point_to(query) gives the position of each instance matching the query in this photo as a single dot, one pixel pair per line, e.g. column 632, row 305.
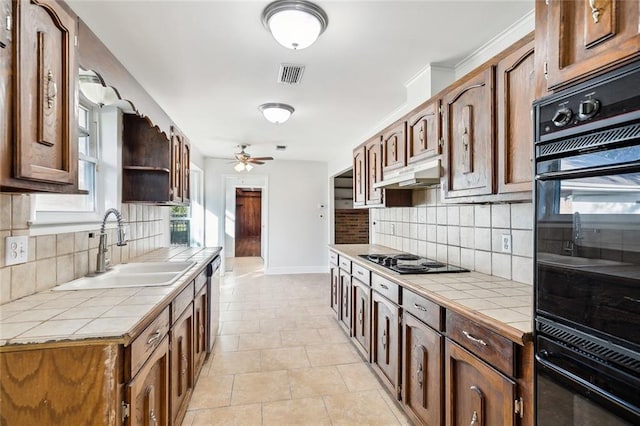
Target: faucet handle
column 122, row 237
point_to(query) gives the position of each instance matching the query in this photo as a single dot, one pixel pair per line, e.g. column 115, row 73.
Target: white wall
column 297, row 236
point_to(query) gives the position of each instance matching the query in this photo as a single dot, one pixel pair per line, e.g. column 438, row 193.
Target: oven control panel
column 586, row 106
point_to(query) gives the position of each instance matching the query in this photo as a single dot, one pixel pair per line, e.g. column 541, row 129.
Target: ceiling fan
column 245, row 160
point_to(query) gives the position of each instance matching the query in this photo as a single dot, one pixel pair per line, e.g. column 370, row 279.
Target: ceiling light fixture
column 295, row 24
column 93, row 89
column 243, row 167
column 275, row 112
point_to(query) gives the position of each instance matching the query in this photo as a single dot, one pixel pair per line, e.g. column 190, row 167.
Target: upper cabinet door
column 359, row 176
column 45, row 71
column 515, row 94
column 424, row 132
column 468, row 137
column 176, row 166
column 587, row 36
column 186, row 170
column 373, row 158
column 394, row 147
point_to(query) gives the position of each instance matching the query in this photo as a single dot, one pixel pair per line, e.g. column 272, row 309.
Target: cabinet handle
column 384, row 286
column 384, row 339
column 420, row 307
column 474, row 419
column 419, row 375
column 595, row 11
column 52, row 90
column 474, row 339
column 154, row 337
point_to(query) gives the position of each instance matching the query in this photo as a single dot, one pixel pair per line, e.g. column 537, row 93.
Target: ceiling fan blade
column 252, row 161
column 262, row 158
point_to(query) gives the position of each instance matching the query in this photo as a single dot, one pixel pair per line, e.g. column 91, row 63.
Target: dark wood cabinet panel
column 586, row 37
column 385, row 340
column 345, row 302
column 186, row 171
column 476, row 393
column 359, row 176
column 41, row 153
column 148, row 392
column 181, row 357
column 361, row 316
column 335, row 289
column 373, row 162
column 180, row 158
column 422, row 381
column 515, row 75
column 200, row 331
column 468, row 136
column 394, row 147
column 424, row 129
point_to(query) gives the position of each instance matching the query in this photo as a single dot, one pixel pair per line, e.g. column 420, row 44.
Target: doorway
column 248, row 227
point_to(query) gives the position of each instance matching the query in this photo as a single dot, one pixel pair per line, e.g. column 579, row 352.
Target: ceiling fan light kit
column 246, row 162
column 275, row 112
column 295, row 24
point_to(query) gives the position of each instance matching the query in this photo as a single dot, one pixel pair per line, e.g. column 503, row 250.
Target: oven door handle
column 592, row 171
column 543, row 357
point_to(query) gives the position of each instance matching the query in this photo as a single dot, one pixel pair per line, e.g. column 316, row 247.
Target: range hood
column 425, row 173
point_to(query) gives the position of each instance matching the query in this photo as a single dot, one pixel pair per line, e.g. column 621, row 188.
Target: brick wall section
column 352, row 226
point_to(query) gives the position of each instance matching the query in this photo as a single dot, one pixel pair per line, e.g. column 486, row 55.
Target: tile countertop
column 502, row 305
column 80, row 315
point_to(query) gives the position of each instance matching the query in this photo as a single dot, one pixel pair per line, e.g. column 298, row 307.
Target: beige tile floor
column 281, row 359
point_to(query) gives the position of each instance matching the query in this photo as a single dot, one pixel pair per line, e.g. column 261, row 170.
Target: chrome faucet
column 102, row 263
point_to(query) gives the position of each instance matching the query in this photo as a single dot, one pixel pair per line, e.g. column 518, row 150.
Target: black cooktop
column 406, row 263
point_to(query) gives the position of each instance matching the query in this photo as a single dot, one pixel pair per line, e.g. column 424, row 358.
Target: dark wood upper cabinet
column 515, row 93
column 186, row 171
column 373, row 161
column 359, row 176
column 468, row 136
column 585, row 37
column 41, row 154
column 424, row 129
column 394, row 147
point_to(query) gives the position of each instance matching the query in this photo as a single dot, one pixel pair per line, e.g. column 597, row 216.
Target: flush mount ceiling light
column 276, row 113
column 295, row 24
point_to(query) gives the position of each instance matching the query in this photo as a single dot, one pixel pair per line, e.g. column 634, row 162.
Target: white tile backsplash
column 482, row 215
column 501, row 216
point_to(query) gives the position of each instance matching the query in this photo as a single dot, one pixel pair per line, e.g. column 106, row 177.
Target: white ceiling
column 210, row 64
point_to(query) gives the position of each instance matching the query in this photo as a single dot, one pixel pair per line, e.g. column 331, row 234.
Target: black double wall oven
column 587, row 254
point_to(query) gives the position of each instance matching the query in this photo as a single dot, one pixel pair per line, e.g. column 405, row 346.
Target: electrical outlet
column 506, row 243
column 16, row 250
column 393, row 229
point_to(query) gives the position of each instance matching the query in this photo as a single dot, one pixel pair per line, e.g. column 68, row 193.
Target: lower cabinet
column 385, row 341
column 477, row 394
column 361, row 294
column 200, row 304
column 335, row 289
column 148, row 391
column 345, row 302
column 422, row 385
column 181, row 364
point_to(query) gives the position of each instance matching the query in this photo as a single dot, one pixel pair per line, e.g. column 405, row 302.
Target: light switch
column 16, row 250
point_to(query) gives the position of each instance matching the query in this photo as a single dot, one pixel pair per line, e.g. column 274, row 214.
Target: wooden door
column 185, row 172
column 424, row 128
column 335, row 289
column 476, row 393
column 359, row 176
column 373, row 162
column 385, row 340
column 181, row 364
column 585, row 37
column 345, row 302
column 176, row 166
column 200, row 331
column 148, row 392
column 394, row 147
column 361, row 316
column 515, row 94
column 248, row 222
column 45, row 108
column 468, row 137
column 422, row 381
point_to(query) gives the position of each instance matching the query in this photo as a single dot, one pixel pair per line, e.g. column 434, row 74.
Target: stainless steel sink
column 146, row 274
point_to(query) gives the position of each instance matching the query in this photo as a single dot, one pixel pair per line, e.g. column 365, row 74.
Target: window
column 186, row 223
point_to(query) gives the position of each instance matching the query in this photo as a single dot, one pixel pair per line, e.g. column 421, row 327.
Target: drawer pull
column 420, row 307
column 384, row 286
column 359, row 273
column 474, row 339
column 154, row 337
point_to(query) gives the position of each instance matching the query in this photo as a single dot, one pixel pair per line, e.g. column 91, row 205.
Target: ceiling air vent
column 281, row 147
column 290, row 73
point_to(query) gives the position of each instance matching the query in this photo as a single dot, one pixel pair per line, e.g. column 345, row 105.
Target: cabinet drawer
column 143, row 345
column 333, row 257
column 428, row 312
column 200, row 281
column 491, row 347
column 345, row 264
column 181, row 301
column 386, row 288
column 362, row 274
